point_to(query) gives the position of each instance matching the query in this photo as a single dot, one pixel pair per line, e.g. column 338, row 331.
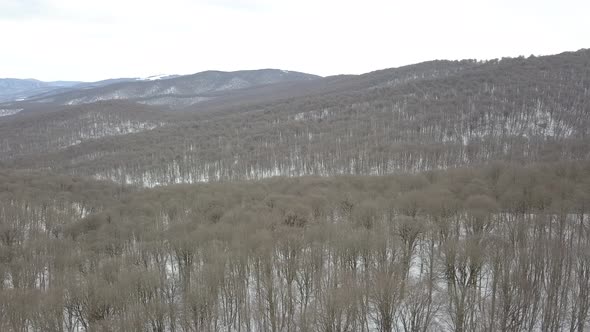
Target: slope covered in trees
column 442, row 196
column 428, row 116
column 498, row 248
column 33, row 133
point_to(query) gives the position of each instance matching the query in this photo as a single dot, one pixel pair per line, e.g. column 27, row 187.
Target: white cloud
column 91, row 40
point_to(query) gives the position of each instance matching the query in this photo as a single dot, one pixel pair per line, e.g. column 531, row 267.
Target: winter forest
column 441, row 196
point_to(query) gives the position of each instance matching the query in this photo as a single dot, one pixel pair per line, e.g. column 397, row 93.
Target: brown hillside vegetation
column 442, row 196
column 446, row 114
column 498, row 248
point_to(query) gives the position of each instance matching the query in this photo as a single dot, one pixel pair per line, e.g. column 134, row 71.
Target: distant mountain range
column 15, row 89
column 12, row 89
column 171, row 90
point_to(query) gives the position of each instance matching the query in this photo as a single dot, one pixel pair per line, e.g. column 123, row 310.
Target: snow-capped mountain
column 157, row 77
column 174, row 91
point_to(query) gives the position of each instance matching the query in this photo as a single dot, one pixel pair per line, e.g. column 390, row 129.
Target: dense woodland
column 451, row 114
column 443, row 196
column 498, row 248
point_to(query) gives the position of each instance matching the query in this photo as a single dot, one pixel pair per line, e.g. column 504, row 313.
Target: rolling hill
column 176, row 91
column 12, row 89
column 433, row 115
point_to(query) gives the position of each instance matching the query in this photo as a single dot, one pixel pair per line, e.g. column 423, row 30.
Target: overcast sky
column 98, row 39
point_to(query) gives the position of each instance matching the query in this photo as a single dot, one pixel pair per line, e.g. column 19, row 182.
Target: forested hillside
column 441, row 196
column 427, row 116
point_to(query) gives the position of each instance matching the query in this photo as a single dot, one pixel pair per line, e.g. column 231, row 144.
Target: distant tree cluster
column 497, row 248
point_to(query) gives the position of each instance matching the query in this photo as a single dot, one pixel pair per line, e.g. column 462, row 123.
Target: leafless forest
column 443, row 196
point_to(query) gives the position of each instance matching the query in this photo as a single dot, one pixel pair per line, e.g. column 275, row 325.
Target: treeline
column 498, row 248
column 446, row 115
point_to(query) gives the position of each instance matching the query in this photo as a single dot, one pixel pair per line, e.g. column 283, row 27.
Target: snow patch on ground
column 156, row 77
column 170, row 90
column 98, row 130
column 322, row 114
column 173, row 101
column 87, row 100
column 7, row 111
